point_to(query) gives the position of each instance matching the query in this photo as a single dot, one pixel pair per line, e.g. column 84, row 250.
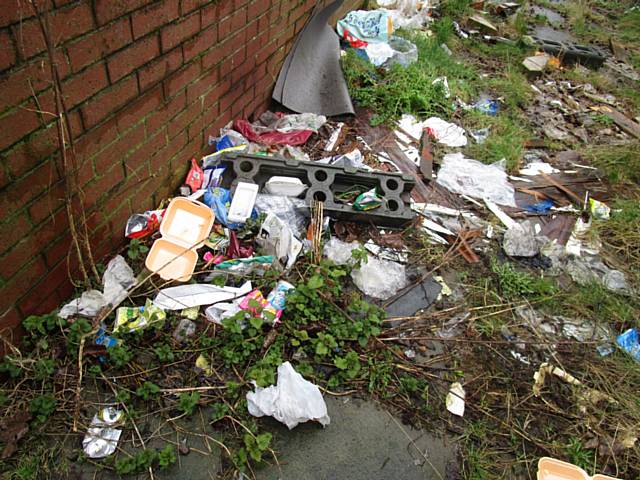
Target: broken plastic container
column 552, row 469
column 185, row 227
column 242, row 203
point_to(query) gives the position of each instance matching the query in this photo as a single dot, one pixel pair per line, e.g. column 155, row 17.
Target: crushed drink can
column 102, row 438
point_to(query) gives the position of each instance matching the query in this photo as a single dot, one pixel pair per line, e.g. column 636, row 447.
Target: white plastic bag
column 116, row 281
column 446, row 133
column 292, row 400
column 379, row 278
column 278, row 240
column 339, row 252
column 470, row 177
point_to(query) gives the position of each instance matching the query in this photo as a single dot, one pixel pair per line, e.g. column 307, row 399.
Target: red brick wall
column 145, row 83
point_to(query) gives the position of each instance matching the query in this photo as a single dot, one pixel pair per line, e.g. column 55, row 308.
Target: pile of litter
column 286, row 198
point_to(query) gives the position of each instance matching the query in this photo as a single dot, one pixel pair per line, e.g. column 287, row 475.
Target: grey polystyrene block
column 324, row 181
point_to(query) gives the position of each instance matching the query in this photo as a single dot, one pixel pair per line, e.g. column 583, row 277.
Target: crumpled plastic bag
column 339, row 252
column 379, row 278
column 366, row 26
column 290, row 122
column 292, row 400
column 292, row 211
column 445, row 132
column 520, row 240
column 471, row 177
column 116, row 281
column 277, row 239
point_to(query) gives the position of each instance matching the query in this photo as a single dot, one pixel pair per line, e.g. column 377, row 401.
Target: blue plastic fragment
column 628, row 341
column 224, row 142
column 488, row 106
column 541, row 207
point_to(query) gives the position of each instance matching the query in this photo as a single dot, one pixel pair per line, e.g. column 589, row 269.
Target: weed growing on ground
column 136, row 249
column 513, row 283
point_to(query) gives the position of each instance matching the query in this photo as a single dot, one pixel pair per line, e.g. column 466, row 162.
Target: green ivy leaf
column 315, row 282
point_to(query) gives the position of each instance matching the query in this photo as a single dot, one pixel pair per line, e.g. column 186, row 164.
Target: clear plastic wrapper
column 379, row 278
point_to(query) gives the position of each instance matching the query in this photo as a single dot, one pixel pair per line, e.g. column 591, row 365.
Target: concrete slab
column 363, row 442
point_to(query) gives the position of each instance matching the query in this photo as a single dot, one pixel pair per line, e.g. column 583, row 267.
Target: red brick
column 64, row 24
column 118, row 150
column 99, row 43
column 109, row 101
column 183, row 119
column 58, row 250
column 257, row 8
column 205, row 40
column 178, row 32
column 13, row 231
column 152, row 17
column 164, row 115
column 140, row 108
column 16, row 86
column 27, row 154
column 21, row 254
column 26, row 278
column 48, row 204
column 43, row 297
column 107, row 10
column 238, row 19
column 217, row 54
column 188, row 6
column 251, row 29
column 19, row 11
column 181, row 78
column 10, row 321
column 127, row 60
column 7, row 50
column 224, row 27
column 243, row 70
column 92, row 142
column 213, row 96
column 84, row 85
column 17, row 123
column 202, row 85
column 210, row 14
column 160, row 68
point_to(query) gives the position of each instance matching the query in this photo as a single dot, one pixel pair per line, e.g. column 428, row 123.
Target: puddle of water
column 549, row 33
column 554, row 18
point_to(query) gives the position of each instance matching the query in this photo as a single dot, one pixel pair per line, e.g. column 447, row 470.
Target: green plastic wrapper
column 368, row 201
column 135, row 318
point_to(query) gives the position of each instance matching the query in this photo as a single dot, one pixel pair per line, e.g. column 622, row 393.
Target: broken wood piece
column 426, row 156
column 564, row 189
column 463, row 247
column 624, row 122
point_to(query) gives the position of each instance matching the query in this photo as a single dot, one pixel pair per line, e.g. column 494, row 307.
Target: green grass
column 409, row 89
column 620, row 163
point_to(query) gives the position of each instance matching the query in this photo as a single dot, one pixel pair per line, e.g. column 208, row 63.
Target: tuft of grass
column 620, row 163
column 515, row 283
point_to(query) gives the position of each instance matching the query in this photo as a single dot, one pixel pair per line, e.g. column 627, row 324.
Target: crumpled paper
column 292, row 400
column 116, row 281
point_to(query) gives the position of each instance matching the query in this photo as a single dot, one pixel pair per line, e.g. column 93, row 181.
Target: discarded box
column 185, row 227
column 552, row 469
